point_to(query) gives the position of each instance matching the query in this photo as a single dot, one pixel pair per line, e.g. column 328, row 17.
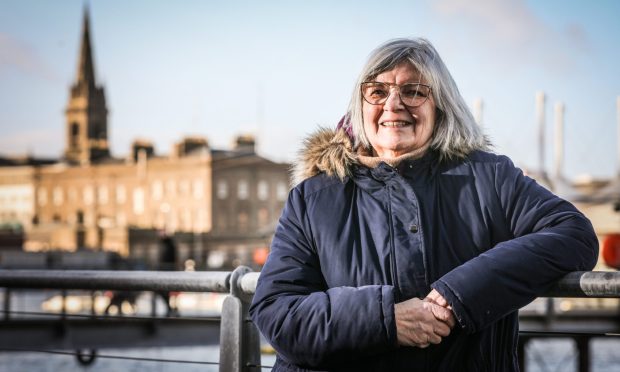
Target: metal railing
column 239, row 338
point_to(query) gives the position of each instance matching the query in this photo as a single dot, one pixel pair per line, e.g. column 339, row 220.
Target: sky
column 281, row 69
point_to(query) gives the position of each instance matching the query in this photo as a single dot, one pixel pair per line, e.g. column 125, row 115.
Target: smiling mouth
column 395, row 124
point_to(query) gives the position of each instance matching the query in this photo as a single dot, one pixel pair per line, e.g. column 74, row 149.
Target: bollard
column 239, row 338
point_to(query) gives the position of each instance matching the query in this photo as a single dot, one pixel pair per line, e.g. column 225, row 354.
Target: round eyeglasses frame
column 398, row 87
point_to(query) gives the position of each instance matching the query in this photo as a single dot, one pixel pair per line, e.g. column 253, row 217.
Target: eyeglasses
column 412, row 95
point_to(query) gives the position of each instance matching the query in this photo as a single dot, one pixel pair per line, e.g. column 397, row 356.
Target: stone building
column 219, row 204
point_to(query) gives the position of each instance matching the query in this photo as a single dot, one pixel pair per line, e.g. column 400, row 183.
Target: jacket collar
column 332, row 152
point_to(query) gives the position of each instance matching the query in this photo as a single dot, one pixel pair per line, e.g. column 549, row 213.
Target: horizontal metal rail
column 600, row 284
column 206, row 281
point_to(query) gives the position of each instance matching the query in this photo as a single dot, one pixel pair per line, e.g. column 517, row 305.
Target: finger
column 442, row 329
column 437, row 298
column 441, row 313
column 434, row 339
column 451, row 321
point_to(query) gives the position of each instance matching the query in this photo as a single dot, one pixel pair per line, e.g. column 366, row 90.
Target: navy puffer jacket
column 485, row 236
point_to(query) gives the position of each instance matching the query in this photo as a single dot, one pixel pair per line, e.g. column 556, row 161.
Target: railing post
column 583, row 348
column 522, row 343
column 63, row 309
column 239, row 338
column 7, row 303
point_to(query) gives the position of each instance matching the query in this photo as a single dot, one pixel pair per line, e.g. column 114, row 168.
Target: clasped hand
column 423, row 322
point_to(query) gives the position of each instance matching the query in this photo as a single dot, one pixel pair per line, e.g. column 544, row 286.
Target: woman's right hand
column 421, row 323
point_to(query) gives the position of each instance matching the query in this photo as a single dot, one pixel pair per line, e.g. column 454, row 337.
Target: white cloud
column 511, row 32
column 17, row 55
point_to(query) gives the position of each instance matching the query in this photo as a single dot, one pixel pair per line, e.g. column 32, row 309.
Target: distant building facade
column 219, row 204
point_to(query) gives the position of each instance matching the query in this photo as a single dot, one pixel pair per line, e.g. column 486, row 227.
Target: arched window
column 75, row 134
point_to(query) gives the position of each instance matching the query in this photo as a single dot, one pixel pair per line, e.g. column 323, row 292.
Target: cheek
column 429, row 121
column 370, row 115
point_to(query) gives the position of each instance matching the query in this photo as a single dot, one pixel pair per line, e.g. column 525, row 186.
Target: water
column 541, row 355
column 39, row 362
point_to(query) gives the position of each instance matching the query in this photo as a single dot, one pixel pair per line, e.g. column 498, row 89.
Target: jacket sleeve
column 550, row 239
column 306, row 322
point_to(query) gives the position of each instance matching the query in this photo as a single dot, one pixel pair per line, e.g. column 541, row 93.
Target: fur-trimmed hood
column 326, row 150
column 332, row 152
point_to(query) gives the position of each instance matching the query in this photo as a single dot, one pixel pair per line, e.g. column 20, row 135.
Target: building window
column 262, row 190
column 89, row 219
column 121, row 194
column 102, row 194
column 121, row 220
column 198, row 188
column 88, row 195
column 171, row 188
column 172, row 222
column 201, row 220
column 242, row 221
column 263, row 217
column 186, row 223
column 243, row 190
column 72, row 194
column 221, row 221
column 157, row 190
column 222, row 189
column 42, row 196
column 138, row 200
column 281, row 191
column 184, row 187
column 57, row 196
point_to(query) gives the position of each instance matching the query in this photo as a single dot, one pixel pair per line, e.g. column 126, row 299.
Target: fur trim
column 326, row 151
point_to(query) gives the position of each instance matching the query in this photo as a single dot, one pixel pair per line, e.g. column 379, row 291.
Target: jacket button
column 413, row 228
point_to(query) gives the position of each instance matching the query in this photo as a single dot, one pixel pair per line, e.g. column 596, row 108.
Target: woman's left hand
column 437, row 299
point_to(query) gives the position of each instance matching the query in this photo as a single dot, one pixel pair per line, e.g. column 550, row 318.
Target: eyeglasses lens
column 412, row 95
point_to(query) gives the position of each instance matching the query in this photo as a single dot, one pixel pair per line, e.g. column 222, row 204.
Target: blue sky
column 279, row 69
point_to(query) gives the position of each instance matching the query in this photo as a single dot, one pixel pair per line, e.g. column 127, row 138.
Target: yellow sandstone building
column 220, row 205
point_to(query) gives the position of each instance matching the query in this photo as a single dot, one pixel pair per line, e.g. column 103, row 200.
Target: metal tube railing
column 239, row 338
column 239, row 341
column 212, row 281
column 600, row 284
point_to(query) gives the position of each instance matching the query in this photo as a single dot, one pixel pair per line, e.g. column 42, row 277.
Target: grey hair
column 456, row 133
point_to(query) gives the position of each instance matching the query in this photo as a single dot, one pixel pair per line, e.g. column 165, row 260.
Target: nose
column 393, row 102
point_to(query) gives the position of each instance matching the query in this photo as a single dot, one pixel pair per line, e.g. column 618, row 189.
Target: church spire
column 87, row 114
column 86, row 68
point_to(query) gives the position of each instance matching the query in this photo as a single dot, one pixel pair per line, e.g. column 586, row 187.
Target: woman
column 410, row 247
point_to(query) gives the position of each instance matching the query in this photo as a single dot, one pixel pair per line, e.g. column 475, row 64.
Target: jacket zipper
column 392, row 249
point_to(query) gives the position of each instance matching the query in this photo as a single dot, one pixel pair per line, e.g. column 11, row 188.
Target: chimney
column 478, row 106
column 559, row 141
column 140, row 146
column 540, row 117
column 245, row 143
column 191, row 145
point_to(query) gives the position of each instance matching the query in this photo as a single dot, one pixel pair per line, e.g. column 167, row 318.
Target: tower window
column 75, row 134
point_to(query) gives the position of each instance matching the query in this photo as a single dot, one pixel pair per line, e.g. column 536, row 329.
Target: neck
column 371, row 160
